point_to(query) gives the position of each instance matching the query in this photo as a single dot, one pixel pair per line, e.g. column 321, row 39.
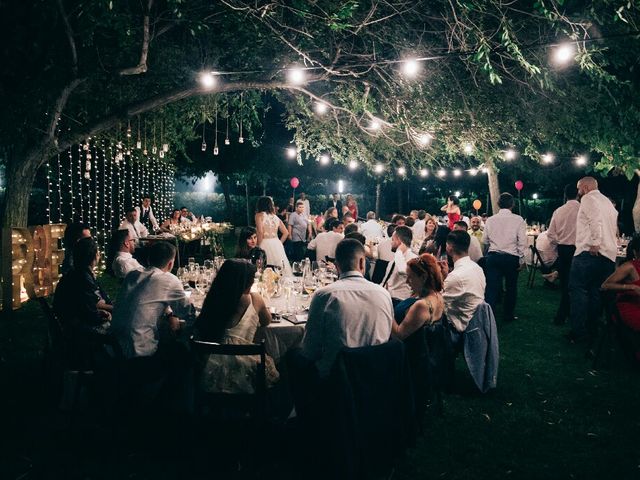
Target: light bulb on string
column 129, row 128
column 324, row 159
column 139, row 141
column 424, row 172
column 484, row 170
column 468, row 148
column 410, row 68
column 353, row 165
column 510, row 154
column 161, row 154
column 424, row 139
column 296, row 75
column 375, row 125
column 548, row 158
column 203, row 147
column 208, row 80
column 442, row 173
column 457, row 172
column 379, row 168
column 241, row 138
column 581, row 160
column 457, row 193
column 291, row 152
column 215, row 129
column 402, row 171
column 473, row 172
column 321, row 108
column 564, row 53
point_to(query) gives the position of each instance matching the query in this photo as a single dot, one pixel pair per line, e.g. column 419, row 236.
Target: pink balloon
column 294, row 182
column 519, row 185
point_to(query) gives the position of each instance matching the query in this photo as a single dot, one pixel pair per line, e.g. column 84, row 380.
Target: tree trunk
column 264, row 189
column 494, row 187
column 635, row 212
column 378, row 186
column 246, row 193
column 226, row 191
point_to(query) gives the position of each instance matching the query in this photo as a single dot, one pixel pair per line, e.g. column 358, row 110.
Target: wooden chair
column 536, row 264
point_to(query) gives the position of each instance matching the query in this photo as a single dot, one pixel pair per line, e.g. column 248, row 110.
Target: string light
column 581, row 160
column 424, row 172
column 215, row 130
column 564, row 53
column 402, row 171
column 353, row 165
column 534, row 196
column 457, row 172
column 291, row 152
column 510, row 154
column 473, row 172
column 410, row 68
column 296, row 75
column 204, row 121
column 468, row 148
column 442, row 173
column 457, row 193
column 324, row 159
column 321, row 108
column 375, row 124
column 226, row 140
column 80, row 176
column 139, row 141
column 424, row 139
column 240, row 138
column 48, row 192
column 547, row 158
column 379, row 168
column 208, row 80
column 59, row 188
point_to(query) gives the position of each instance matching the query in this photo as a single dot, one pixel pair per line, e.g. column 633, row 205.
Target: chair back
column 378, row 271
column 203, row 349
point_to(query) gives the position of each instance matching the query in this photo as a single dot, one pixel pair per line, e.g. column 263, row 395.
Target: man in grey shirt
column 352, row 312
column 299, row 228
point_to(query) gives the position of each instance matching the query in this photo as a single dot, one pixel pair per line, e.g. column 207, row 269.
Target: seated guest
column 409, row 222
column 123, row 262
column 145, row 214
column 475, row 249
column 186, row 215
column 425, row 305
column 146, row 300
column 419, row 227
column 136, row 229
column 464, row 286
column 248, row 249
column 80, row 303
column 438, row 247
column 325, row 243
column 626, row 281
column 231, row 314
column 367, row 252
column 348, row 218
column 429, row 236
column 395, row 279
column 398, row 220
column 350, row 228
column 174, row 219
column 350, row 312
column 385, row 251
column 73, row 233
column 371, row 229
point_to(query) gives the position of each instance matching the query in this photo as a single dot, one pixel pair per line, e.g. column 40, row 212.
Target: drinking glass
column 310, row 284
column 296, row 268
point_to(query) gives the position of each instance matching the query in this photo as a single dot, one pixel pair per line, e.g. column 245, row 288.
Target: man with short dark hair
column 326, row 242
column 131, row 223
column 562, row 234
column 350, row 228
column 464, row 286
column 299, row 229
column 123, row 262
column 395, row 278
column 145, row 214
column 398, row 220
column 505, row 236
column 336, row 203
column 350, row 312
column 186, row 215
column 347, row 218
column 475, row 249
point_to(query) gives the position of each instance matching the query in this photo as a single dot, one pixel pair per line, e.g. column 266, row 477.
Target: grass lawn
column 550, row 417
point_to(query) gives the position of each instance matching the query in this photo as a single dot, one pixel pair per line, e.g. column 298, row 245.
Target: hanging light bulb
column 87, row 175
column 161, row 154
column 510, row 154
column 547, row 158
column 324, row 159
column 321, row 108
column 129, row 128
column 424, row 172
column 154, row 150
column 165, row 147
column 379, row 168
column 457, row 172
column 292, row 152
column 87, row 166
column 139, row 141
column 424, row 139
column 296, row 75
column 468, row 148
column 85, row 146
column 564, row 53
column 442, row 173
column 207, row 80
column 204, row 147
column 473, row 172
column 581, row 160
column 402, row 171
column 353, row 165
column 410, row 68
column 215, row 150
column 240, row 140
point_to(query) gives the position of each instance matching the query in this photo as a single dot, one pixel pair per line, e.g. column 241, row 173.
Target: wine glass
column 310, row 284
column 296, row 268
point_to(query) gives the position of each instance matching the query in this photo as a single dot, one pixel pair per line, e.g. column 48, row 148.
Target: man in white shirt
column 186, row 215
column 562, row 234
column 464, row 286
column 594, row 259
column 371, row 229
column 352, row 312
column 418, row 228
column 475, row 249
column 144, row 300
column 145, row 214
column 307, row 205
column 385, row 251
column 136, row 229
column 505, row 235
column 395, row 278
column 326, row 242
column 124, row 262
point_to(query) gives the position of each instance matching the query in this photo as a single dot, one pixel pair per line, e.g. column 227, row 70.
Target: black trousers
column 298, row 250
column 501, row 266
column 563, row 265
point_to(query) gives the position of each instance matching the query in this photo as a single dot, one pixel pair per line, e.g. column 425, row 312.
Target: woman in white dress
column 267, row 226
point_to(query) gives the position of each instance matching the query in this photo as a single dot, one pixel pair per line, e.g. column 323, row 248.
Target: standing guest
column 505, row 235
column 186, row 215
column 288, row 209
column 476, row 228
column 305, row 202
column 145, row 214
column 123, row 262
column 326, row 242
column 174, row 219
column 398, row 220
column 594, row 259
column 452, row 209
column 626, row 281
column 231, row 315
column 73, row 233
column 248, row 249
column 562, row 234
column 371, row 229
column 395, row 278
column 385, row 252
column 429, row 236
column 348, row 218
column 336, row 203
column 475, row 248
column 136, row 229
column 464, row 286
column 352, row 206
column 419, row 227
column 350, row 312
column 299, row 231
column 267, row 226
column 425, row 305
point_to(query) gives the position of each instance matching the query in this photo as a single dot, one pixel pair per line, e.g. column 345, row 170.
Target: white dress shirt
column 562, row 229
column 136, row 230
column 418, row 231
column 371, row 229
column 395, row 278
column 475, row 249
column 506, row 232
column 547, row 250
column 152, row 218
column 351, row 312
column 597, row 225
column 325, row 244
column 384, row 250
column 124, row 263
column 307, row 207
column 143, row 299
column 463, row 292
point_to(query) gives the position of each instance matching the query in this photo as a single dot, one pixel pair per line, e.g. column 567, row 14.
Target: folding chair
column 536, row 264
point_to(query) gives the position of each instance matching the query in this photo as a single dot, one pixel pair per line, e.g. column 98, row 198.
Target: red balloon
column 294, row 182
column 519, row 185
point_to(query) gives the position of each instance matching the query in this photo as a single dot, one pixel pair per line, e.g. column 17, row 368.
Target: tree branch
column 72, row 43
column 142, row 64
